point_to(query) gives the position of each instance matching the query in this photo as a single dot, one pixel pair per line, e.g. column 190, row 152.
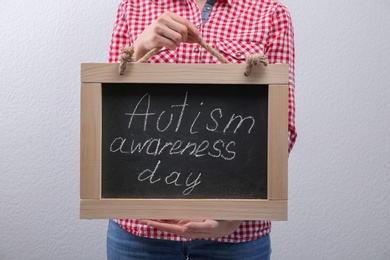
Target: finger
column 172, row 228
column 202, row 227
column 177, row 221
column 172, row 221
column 145, row 221
column 169, row 221
column 164, row 36
column 174, row 32
column 186, row 221
column 189, row 32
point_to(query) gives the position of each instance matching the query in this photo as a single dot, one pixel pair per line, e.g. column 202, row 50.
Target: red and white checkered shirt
column 235, row 28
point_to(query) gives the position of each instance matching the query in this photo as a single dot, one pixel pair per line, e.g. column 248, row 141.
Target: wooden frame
column 93, row 75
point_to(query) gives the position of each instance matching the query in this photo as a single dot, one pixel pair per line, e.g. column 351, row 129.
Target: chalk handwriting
column 171, row 120
column 234, row 124
column 154, row 147
column 172, row 178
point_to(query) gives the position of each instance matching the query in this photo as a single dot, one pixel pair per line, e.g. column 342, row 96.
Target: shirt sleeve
column 280, row 49
column 120, row 35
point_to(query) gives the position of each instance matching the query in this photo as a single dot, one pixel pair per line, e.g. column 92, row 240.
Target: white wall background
column 339, row 196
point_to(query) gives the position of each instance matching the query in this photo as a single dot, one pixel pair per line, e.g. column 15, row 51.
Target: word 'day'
column 173, row 178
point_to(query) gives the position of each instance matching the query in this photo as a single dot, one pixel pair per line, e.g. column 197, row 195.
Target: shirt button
column 238, row 53
column 196, row 50
column 208, row 8
column 198, row 26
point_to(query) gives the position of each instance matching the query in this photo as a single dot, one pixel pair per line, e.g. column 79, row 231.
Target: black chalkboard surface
column 184, row 141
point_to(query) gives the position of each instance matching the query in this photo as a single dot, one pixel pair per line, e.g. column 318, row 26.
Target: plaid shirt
column 235, row 28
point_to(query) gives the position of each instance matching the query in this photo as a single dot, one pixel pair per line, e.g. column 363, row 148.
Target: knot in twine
column 252, row 60
column 127, row 56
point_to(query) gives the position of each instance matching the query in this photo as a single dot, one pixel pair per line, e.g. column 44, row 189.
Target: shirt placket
column 200, row 17
column 205, row 13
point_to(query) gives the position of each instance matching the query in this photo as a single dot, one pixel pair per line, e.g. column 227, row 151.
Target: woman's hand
column 192, row 229
column 169, row 30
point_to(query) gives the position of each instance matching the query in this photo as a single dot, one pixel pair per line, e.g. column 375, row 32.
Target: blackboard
column 191, row 141
column 144, row 133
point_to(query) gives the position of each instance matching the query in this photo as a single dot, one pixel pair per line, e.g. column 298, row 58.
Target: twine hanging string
column 254, row 59
column 251, row 59
column 126, row 56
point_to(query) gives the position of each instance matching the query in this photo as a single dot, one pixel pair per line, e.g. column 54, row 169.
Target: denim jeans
column 124, row 245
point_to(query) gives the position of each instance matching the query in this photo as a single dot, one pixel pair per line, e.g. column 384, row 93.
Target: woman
column 235, row 28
